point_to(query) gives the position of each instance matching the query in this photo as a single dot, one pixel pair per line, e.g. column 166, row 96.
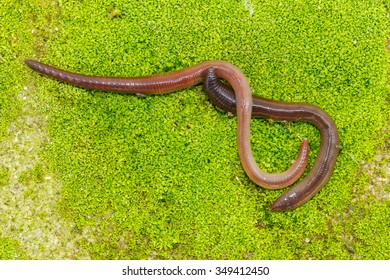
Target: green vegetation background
column 87, row 174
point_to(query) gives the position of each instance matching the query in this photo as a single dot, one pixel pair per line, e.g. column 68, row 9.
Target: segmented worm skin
column 222, row 96
column 173, row 81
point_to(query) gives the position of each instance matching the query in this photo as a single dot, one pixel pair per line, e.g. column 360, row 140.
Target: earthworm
column 222, row 96
column 180, row 79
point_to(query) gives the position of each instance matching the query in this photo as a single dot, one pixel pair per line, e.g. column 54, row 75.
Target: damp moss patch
column 159, row 177
column 9, row 249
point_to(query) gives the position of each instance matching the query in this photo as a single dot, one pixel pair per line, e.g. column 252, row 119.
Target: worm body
column 173, row 81
column 222, row 96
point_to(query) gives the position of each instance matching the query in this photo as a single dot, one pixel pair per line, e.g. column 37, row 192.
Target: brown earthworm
column 222, row 96
column 180, row 79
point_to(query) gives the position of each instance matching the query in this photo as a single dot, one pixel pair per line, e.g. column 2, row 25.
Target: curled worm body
column 222, row 96
column 180, row 79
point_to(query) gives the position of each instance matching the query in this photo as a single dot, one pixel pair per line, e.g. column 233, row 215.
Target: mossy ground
column 87, row 174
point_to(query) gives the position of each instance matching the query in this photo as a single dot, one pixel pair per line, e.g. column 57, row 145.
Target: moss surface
column 9, row 249
column 88, row 174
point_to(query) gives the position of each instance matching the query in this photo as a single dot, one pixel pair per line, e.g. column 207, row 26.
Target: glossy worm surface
column 168, row 82
column 222, row 96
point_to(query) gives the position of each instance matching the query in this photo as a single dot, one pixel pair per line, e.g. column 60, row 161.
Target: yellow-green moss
column 159, row 177
column 4, row 177
column 9, row 249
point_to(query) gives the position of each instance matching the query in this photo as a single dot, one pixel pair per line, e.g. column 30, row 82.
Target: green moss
column 9, row 249
column 159, row 177
column 4, row 177
column 33, row 175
